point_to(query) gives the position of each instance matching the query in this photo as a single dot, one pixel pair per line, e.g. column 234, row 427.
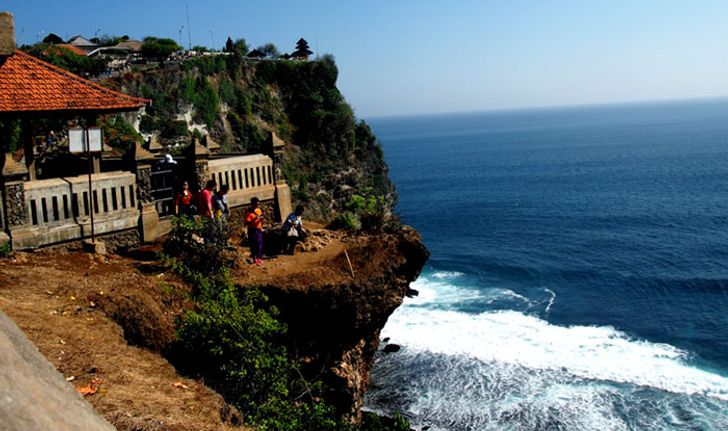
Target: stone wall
column 14, row 203
column 246, row 177
column 59, row 209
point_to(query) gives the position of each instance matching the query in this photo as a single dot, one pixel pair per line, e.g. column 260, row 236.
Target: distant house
column 132, row 45
column 126, row 48
column 256, row 53
column 83, row 43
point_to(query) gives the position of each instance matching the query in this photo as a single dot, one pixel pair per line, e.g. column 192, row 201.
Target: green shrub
column 346, row 221
column 120, row 134
column 10, row 135
column 371, row 210
column 148, row 124
column 6, row 249
column 228, row 340
column 174, row 129
column 200, row 246
column 159, row 48
column 69, row 60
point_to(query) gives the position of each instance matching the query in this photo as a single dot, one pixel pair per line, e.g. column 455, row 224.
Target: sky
column 403, row 57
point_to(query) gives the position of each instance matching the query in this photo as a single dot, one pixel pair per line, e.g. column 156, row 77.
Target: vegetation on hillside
column 330, row 154
column 67, row 59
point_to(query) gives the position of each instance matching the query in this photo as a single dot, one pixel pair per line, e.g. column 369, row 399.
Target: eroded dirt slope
column 68, row 305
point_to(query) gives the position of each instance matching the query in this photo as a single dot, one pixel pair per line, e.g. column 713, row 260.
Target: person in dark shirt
column 220, row 203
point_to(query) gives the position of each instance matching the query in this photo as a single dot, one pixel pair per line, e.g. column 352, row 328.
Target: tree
column 240, row 47
column 229, row 45
column 159, row 48
column 302, row 51
column 52, row 38
column 69, row 60
column 269, row 50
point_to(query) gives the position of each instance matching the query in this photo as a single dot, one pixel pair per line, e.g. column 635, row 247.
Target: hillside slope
column 238, row 102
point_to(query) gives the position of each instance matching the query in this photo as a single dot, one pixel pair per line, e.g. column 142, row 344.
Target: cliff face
column 334, row 320
column 329, row 155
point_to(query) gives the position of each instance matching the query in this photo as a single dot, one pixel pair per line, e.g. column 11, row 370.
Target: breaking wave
column 504, row 368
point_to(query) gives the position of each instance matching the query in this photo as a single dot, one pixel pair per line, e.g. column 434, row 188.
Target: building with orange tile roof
column 28, row 84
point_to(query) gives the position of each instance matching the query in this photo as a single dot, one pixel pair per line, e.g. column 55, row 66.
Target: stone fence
column 246, row 177
column 58, row 209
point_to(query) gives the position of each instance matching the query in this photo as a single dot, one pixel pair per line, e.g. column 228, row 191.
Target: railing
column 59, row 209
column 163, row 184
column 245, row 176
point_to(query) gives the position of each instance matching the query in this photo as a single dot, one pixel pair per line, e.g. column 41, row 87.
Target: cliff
column 110, row 322
column 334, row 318
column 329, row 155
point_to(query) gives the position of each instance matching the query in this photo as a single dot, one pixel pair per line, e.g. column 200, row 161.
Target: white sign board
column 77, row 140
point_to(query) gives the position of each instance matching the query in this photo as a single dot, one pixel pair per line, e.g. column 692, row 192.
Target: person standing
column 183, row 203
column 205, row 200
column 220, row 203
column 254, row 222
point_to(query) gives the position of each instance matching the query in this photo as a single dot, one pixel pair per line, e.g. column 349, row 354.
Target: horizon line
column 548, row 107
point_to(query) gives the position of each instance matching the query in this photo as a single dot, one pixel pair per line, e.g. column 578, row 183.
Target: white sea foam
column 551, row 300
column 440, row 275
column 513, row 338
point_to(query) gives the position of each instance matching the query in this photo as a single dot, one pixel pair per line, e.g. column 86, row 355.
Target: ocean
column 579, row 269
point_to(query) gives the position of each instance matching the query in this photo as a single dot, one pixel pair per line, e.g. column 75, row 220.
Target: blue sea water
column 579, row 269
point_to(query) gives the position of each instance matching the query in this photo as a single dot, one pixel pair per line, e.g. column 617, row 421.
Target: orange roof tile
column 28, row 84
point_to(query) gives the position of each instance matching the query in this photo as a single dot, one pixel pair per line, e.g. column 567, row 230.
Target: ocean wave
column 446, row 275
column 447, row 392
column 588, row 352
column 444, row 293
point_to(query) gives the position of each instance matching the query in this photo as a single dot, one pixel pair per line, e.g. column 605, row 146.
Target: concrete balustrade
column 245, row 176
column 58, row 209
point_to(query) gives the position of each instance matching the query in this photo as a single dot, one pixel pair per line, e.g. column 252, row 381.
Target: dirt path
column 322, row 258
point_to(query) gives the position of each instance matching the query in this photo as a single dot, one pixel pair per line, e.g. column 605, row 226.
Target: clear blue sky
column 416, row 56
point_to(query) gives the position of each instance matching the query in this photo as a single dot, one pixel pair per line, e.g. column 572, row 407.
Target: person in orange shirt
column 254, row 222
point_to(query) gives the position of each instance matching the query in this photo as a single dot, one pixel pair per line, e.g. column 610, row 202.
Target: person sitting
column 293, row 230
column 184, row 202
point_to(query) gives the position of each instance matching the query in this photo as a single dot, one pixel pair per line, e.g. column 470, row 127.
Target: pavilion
column 32, row 89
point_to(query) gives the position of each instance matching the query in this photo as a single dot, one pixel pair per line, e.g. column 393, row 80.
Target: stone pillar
column 211, row 145
column 7, row 34
column 283, row 205
column 14, row 175
column 199, row 157
column 150, row 228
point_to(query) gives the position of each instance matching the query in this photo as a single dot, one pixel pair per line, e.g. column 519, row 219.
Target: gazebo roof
column 30, row 85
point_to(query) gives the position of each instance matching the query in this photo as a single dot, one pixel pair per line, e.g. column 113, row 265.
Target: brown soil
column 68, row 304
column 102, row 321
column 320, row 259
